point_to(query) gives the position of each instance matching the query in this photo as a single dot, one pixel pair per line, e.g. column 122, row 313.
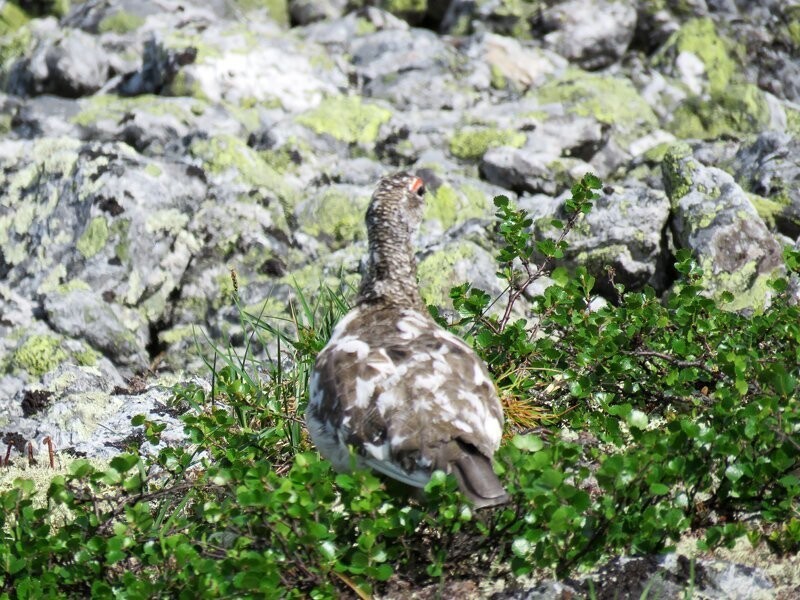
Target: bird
column 394, row 392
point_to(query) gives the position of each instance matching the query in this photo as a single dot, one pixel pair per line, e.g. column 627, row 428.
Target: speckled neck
column 391, row 276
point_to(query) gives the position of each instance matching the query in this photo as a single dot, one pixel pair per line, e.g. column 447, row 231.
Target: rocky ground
column 150, row 147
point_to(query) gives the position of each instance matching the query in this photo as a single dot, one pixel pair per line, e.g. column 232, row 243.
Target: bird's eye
column 418, row 187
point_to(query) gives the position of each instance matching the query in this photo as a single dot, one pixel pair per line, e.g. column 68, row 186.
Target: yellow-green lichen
column 12, row 17
column 737, row 110
column 767, row 208
column 700, row 37
column 87, row 357
column 278, row 9
column 120, row 22
column 177, row 334
column 749, row 288
column 224, row 153
column 336, row 215
column 498, row 80
column 472, row 143
column 153, row 170
column 436, row 272
column 792, row 121
column 346, row 118
column 364, row 27
column 39, row 354
column 677, row 178
column 608, row 99
column 449, row 206
column 405, row 7
column 110, row 107
column 170, row 220
column 94, row 237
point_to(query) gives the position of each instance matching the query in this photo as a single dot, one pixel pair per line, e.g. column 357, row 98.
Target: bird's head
column 397, row 205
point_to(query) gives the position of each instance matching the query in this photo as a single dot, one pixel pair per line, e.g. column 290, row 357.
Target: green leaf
column 528, row 443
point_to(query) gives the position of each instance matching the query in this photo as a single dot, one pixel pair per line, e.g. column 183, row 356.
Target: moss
column 739, row 109
column 474, row 142
column 337, row 215
column 39, row 354
column 677, row 178
column 120, row 22
column 94, row 237
column 346, row 118
column 435, row 272
column 700, row 37
column 610, row 100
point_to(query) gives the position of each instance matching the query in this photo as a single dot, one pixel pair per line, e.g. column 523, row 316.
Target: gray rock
column 303, row 12
column 71, row 65
column 412, row 67
column 513, row 63
column 626, row 230
column 88, row 413
column 715, row 220
column 159, row 67
column 82, row 314
column 45, row 116
column 770, row 168
column 521, row 171
column 591, row 33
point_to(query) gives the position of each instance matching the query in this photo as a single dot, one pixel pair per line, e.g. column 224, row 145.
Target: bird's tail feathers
column 475, row 476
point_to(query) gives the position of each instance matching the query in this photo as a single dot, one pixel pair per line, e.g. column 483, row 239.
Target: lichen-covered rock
column 626, row 230
column 714, row 218
column 87, row 412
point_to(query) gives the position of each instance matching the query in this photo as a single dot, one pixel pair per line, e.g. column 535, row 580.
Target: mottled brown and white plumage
column 408, row 396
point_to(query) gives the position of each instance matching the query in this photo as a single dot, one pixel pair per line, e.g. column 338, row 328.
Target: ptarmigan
column 408, row 396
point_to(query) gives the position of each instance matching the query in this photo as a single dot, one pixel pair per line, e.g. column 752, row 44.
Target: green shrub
column 685, row 418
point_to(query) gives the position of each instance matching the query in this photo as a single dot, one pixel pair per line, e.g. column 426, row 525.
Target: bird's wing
column 399, row 392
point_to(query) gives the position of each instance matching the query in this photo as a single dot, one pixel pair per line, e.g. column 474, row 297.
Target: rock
column 522, row 171
column 45, row 116
column 591, row 33
column 512, row 63
column 410, row 67
column 159, row 68
column 303, row 12
column 769, row 168
column 82, row 314
column 88, row 413
column 71, row 65
column 715, row 220
column 626, row 230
